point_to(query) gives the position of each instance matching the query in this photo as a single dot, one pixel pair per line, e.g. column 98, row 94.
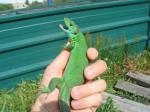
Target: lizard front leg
column 55, row 83
column 68, row 45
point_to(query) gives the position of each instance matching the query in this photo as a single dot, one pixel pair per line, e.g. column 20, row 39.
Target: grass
column 117, row 68
column 108, row 106
column 119, row 63
column 139, row 64
column 23, row 96
column 19, row 99
column 4, row 7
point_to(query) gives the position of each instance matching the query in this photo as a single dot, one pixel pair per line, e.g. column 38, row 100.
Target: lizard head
column 70, row 28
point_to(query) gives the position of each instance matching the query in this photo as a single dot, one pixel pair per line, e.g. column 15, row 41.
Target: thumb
column 60, row 61
column 56, row 68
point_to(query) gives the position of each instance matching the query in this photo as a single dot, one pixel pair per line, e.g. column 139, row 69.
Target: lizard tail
column 64, row 99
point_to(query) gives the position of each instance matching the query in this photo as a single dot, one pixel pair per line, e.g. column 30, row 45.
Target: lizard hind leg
column 54, row 83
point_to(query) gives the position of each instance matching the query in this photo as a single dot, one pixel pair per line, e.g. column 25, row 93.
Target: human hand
column 85, row 98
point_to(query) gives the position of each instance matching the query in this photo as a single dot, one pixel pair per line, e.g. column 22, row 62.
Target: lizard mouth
column 67, row 30
column 64, row 28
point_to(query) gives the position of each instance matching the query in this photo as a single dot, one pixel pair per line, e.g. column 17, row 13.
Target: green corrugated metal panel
column 28, row 42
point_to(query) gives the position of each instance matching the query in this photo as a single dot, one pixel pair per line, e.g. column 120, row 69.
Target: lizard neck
column 78, row 40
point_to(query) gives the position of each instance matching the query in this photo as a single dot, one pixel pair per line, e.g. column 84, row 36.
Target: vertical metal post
column 49, row 2
column 148, row 32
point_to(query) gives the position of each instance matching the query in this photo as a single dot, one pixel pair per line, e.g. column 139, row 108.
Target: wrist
column 38, row 105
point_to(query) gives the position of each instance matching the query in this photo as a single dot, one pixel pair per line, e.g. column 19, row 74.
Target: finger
column 87, row 102
column 56, row 68
column 94, row 109
column 88, row 89
column 92, row 53
column 95, row 69
column 83, row 110
column 60, row 61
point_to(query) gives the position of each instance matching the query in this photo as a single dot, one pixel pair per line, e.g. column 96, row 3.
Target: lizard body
column 73, row 73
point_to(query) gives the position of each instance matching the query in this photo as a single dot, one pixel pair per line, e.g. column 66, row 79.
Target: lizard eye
column 71, row 24
column 75, row 33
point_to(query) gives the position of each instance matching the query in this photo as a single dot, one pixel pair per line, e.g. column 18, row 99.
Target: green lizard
column 73, row 74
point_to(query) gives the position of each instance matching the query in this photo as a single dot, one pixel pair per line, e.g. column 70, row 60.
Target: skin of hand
column 86, row 97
